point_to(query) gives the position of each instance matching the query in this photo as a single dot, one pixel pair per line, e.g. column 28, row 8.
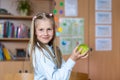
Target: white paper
column 103, row 4
column 103, row 31
column 71, row 7
column 103, row 17
column 72, row 26
column 103, row 44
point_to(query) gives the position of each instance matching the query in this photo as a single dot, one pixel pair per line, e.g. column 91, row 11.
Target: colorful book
column 1, row 30
column 23, row 31
column 11, row 54
column 13, row 30
column 4, row 31
column 7, row 28
column 6, row 54
column 1, row 53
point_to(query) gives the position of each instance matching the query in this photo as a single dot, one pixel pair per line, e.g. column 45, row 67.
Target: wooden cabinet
column 14, row 66
column 27, row 67
column 11, row 67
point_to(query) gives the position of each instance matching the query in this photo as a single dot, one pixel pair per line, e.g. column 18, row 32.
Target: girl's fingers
column 77, row 54
column 76, row 48
column 84, row 56
column 84, row 53
column 77, row 51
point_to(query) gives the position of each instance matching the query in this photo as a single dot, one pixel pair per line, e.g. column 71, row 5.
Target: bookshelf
column 13, row 43
column 15, row 17
column 11, row 17
column 14, row 39
column 18, row 65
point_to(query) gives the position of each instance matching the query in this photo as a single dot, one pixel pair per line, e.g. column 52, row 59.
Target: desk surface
column 78, row 76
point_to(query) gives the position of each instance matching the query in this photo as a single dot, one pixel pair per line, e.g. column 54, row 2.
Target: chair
column 19, row 76
column 78, row 76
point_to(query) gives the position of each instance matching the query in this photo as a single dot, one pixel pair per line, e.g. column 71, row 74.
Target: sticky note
column 60, row 29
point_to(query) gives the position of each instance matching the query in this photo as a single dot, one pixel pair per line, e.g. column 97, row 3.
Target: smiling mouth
column 45, row 37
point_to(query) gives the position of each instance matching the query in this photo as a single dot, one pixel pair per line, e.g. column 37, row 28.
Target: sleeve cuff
column 70, row 63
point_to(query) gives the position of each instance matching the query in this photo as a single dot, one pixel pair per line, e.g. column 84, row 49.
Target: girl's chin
column 45, row 42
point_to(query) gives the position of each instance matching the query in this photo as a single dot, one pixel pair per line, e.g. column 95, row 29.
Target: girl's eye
column 49, row 29
column 40, row 29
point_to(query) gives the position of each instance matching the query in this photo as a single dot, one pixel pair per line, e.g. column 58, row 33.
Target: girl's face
column 44, row 31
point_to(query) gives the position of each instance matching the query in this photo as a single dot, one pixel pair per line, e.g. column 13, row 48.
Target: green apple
column 84, row 47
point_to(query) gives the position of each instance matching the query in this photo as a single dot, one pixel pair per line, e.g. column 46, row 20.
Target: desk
column 78, row 76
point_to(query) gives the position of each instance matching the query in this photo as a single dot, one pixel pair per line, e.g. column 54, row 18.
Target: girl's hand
column 76, row 54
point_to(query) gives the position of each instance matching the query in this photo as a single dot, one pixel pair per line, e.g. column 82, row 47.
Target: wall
column 81, row 65
column 101, row 65
column 36, row 5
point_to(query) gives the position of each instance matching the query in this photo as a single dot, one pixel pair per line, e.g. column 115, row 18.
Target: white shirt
column 45, row 69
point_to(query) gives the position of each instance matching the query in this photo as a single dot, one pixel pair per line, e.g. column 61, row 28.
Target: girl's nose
column 45, row 32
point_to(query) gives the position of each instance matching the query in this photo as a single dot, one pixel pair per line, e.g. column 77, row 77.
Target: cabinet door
column 27, row 66
column 10, row 67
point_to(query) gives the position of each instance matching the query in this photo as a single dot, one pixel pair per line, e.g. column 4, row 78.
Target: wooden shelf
column 16, row 17
column 14, row 39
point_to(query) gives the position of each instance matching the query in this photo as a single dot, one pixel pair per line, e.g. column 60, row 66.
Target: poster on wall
column 103, row 17
column 72, row 26
column 103, row 44
column 72, row 33
column 103, row 4
column 71, row 7
column 103, row 31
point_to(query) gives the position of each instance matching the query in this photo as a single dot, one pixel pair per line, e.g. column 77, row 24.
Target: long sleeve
column 59, row 74
column 47, row 70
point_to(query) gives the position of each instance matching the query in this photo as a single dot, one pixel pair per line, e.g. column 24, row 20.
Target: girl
column 45, row 55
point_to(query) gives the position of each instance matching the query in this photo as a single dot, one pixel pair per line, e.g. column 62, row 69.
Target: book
column 1, row 53
column 1, row 30
column 6, row 54
column 16, row 32
column 13, row 30
column 11, row 54
column 23, row 31
column 4, row 30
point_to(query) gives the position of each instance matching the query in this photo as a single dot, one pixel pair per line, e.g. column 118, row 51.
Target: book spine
column 6, row 54
column 13, row 30
column 4, row 32
column 1, row 54
column 1, row 30
column 7, row 28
